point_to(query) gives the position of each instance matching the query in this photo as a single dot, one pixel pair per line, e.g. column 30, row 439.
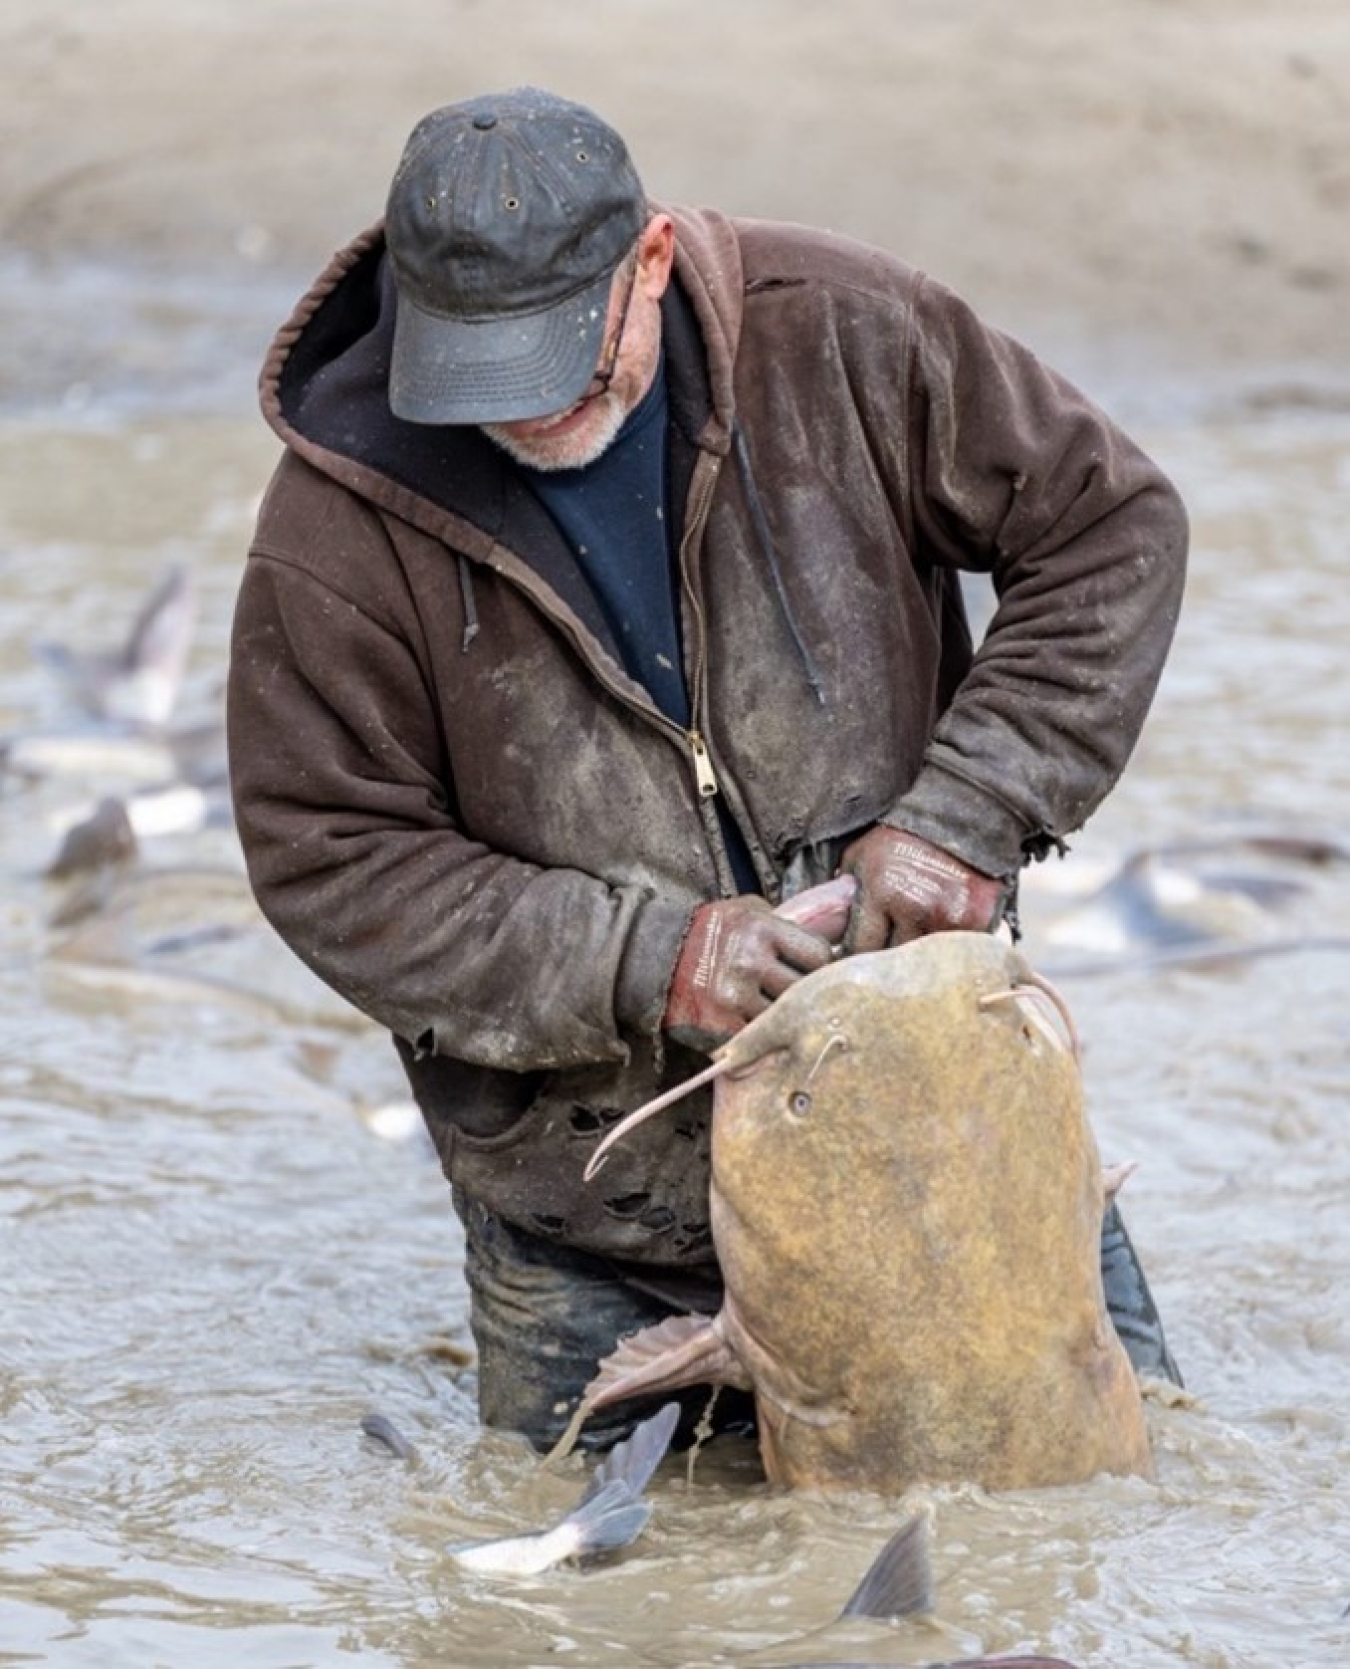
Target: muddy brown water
column 216, row 1253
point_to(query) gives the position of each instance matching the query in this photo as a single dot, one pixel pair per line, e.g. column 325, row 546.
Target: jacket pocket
column 649, row 1203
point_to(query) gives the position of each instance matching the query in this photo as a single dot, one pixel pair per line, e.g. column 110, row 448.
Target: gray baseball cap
column 506, row 220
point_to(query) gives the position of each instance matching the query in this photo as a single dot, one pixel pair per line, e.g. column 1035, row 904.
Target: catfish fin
column 682, row 1350
column 383, row 1430
column 600, row 1523
column 899, row 1581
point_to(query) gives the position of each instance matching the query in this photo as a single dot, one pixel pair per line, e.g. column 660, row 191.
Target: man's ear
column 656, row 254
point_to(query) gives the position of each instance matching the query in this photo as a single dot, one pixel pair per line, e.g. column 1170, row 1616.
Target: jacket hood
column 324, row 383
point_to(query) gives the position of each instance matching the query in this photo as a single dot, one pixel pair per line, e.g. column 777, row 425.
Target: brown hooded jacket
column 463, row 814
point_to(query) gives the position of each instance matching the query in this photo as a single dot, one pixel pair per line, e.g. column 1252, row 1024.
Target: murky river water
column 215, row 1257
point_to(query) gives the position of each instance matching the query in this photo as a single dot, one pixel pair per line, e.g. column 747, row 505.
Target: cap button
column 484, row 120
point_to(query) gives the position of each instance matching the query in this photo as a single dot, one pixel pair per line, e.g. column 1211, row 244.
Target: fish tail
column 609, row 1519
column 633, row 1461
column 899, row 1581
column 383, row 1430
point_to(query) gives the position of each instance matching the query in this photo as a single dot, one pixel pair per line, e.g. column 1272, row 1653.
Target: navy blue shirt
column 613, row 514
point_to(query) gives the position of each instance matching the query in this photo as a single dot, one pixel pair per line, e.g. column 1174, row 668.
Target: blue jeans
column 543, row 1315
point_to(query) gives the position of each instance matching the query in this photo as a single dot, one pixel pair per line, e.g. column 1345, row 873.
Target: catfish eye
column 799, row 1103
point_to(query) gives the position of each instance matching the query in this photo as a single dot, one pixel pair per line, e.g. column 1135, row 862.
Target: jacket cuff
column 969, row 822
column 648, row 965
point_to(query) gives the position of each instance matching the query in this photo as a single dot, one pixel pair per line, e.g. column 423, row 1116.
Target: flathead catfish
column 907, row 1207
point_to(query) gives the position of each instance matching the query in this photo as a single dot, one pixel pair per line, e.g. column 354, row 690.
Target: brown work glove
column 736, row 958
column 908, row 887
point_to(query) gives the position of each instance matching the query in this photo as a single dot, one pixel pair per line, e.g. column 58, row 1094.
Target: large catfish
column 907, row 1207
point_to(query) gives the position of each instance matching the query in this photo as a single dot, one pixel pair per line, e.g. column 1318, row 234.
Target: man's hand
column 908, row 887
column 737, row 957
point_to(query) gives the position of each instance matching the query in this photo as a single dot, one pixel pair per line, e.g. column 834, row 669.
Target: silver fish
column 610, row 1514
column 92, row 750
column 139, row 681
column 1183, row 903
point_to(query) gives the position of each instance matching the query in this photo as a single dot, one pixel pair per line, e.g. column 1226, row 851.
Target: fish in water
column 899, row 1584
column 138, row 682
column 128, row 732
column 92, row 750
column 610, row 1515
column 383, row 1430
column 1185, row 903
column 907, row 1207
column 109, row 835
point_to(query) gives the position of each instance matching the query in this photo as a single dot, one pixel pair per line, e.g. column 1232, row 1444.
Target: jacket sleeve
column 1013, row 472
column 355, row 856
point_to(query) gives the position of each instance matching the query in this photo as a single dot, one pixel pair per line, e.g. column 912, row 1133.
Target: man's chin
column 572, row 445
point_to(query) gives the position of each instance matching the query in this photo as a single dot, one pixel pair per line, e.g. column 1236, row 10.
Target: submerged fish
column 899, row 1584
column 91, row 750
column 1183, row 903
column 106, row 836
column 383, row 1430
column 138, row 682
column 907, row 1206
column 610, row 1515
column 128, row 735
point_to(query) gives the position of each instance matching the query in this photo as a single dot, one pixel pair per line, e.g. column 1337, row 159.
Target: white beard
column 573, row 451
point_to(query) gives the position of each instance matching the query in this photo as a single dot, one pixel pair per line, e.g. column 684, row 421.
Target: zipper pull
column 703, row 766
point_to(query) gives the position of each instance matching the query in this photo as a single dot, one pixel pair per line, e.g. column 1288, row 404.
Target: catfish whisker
column 642, row 1114
column 837, row 1041
column 1038, row 995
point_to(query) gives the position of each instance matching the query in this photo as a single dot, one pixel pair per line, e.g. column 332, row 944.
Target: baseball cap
column 506, row 219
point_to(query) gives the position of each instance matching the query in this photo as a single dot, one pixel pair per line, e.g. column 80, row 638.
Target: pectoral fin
column 680, row 1351
column 683, row 1350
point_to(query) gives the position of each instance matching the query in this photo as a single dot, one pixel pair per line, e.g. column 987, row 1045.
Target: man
column 607, row 594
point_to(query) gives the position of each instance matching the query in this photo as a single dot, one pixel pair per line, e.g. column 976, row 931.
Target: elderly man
column 606, row 594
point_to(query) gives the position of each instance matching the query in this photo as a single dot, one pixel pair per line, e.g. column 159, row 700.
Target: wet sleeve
column 355, row 855
column 1013, row 472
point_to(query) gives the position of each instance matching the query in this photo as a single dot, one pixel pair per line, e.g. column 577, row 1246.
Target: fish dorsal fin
column 899, row 1581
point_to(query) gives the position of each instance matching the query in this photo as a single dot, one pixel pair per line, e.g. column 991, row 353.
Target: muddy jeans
column 543, row 1315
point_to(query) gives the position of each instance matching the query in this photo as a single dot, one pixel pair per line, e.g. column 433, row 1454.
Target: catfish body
column 907, row 1203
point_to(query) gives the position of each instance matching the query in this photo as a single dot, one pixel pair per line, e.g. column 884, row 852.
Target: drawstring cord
column 765, row 537
column 470, row 606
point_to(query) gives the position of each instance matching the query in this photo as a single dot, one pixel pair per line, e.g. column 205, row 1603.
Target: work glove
column 908, row 887
column 737, row 956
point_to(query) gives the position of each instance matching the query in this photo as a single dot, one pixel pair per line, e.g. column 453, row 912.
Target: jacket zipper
column 703, row 765
column 704, row 774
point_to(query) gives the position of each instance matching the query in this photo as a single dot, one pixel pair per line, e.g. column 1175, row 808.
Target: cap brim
column 499, row 370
